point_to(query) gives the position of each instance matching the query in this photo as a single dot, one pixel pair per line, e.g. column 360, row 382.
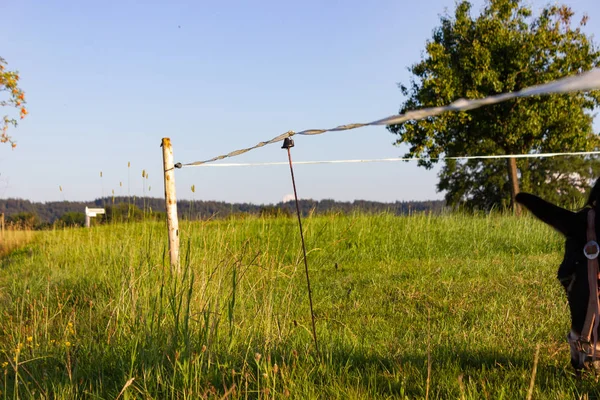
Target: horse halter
column 584, row 346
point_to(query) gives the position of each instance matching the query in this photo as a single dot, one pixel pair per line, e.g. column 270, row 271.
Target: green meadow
column 11, row 239
column 413, row 307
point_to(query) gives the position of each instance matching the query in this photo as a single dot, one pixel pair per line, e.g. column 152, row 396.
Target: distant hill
column 51, row 211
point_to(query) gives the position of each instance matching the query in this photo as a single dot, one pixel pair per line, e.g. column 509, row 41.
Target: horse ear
column 557, row 217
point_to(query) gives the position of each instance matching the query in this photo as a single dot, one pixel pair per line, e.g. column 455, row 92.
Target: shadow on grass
column 459, row 373
column 344, row 372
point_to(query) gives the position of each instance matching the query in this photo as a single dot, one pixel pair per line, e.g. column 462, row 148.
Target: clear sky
column 105, row 81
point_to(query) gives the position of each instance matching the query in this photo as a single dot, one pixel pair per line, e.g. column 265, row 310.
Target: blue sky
column 105, row 81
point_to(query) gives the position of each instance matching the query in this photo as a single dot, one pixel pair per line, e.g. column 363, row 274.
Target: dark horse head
column 573, row 271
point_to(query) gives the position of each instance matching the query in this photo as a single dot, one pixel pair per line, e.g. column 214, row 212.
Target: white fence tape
column 372, row 160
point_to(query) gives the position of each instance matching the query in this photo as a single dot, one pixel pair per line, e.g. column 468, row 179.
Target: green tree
column 503, row 49
column 73, row 218
column 122, row 212
column 24, row 220
column 13, row 96
column 274, row 212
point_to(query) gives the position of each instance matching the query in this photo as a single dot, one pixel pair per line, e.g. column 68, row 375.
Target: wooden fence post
column 2, row 223
column 171, row 203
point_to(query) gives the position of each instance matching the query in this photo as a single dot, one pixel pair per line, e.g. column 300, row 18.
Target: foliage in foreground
column 13, row 97
column 95, row 313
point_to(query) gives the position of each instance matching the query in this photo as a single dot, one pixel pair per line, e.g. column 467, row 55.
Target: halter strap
column 592, row 318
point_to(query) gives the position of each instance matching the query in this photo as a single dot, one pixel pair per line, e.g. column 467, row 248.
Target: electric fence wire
column 585, row 81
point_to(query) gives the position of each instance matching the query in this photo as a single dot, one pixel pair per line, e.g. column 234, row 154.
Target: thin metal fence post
column 288, row 144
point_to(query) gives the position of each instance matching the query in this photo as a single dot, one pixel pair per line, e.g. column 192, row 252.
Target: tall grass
column 453, row 306
column 11, row 239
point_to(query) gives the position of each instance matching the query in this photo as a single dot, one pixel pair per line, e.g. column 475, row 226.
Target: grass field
column 13, row 239
column 406, row 307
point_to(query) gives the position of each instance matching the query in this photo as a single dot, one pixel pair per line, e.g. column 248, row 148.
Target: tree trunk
column 513, row 179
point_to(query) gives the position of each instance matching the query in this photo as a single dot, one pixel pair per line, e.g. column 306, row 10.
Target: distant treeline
column 50, row 212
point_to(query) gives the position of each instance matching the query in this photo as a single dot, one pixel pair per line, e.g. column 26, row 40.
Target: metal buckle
column 591, row 250
column 585, row 347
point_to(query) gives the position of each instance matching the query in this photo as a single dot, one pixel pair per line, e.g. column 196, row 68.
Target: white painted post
column 92, row 212
column 171, row 203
